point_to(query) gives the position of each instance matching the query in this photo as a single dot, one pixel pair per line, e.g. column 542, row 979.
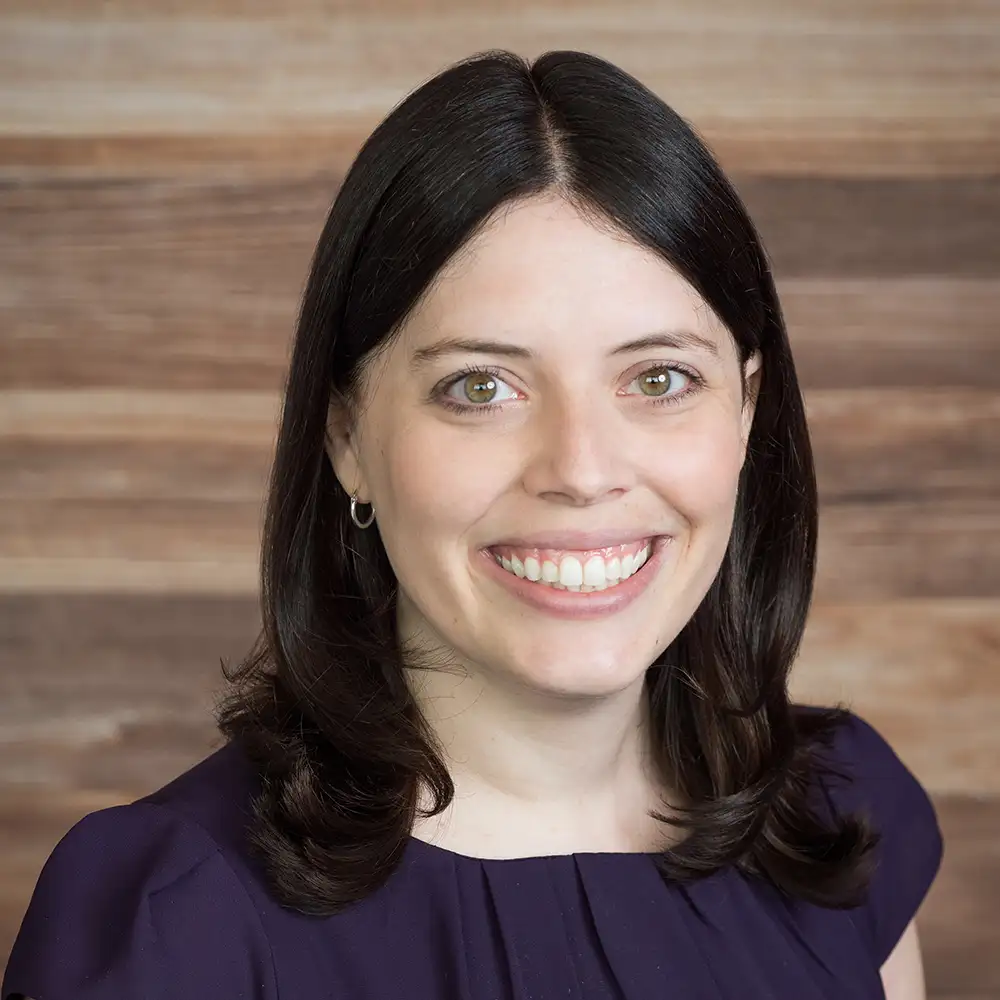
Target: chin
column 572, row 678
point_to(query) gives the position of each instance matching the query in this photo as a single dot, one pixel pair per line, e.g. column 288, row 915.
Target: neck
column 538, row 773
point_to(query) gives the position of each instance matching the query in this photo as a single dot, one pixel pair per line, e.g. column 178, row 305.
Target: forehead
column 539, row 267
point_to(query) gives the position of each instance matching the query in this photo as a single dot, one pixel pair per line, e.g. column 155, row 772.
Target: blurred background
column 165, row 170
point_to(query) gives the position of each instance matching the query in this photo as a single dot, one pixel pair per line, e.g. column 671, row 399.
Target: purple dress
column 159, row 900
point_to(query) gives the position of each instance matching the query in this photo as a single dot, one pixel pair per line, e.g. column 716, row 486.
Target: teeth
column 593, row 572
column 570, row 572
column 596, row 574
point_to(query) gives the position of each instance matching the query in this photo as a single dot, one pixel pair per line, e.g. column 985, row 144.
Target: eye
column 654, row 383
column 477, row 389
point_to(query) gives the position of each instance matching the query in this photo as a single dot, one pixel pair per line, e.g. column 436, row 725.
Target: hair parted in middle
column 321, row 702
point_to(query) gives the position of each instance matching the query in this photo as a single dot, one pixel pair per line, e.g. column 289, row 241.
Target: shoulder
column 143, row 894
column 861, row 773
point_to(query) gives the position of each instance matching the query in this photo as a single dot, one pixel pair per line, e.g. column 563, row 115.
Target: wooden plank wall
column 165, row 167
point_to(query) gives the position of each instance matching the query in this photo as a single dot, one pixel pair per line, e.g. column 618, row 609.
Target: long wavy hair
column 320, row 703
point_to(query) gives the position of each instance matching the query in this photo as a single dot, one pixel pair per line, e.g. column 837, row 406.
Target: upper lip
column 580, row 540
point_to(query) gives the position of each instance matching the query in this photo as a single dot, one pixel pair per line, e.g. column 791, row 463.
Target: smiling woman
column 522, row 730
column 585, row 434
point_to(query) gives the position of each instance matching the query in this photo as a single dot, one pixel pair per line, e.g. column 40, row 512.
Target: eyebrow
column 675, row 339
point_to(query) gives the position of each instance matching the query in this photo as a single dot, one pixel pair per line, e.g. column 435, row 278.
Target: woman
column 520, row 728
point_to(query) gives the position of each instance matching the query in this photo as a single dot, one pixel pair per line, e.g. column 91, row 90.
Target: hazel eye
column 479, row 387
column 656, row 381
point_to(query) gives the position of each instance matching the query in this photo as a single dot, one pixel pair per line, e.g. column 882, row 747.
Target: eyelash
column 438, row 394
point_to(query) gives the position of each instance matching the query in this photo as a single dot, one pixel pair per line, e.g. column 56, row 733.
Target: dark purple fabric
column 159, row 900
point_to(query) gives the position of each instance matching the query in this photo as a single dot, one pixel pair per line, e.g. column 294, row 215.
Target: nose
column 579, row 456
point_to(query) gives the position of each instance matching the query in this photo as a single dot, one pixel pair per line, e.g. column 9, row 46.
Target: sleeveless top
column 159, row 899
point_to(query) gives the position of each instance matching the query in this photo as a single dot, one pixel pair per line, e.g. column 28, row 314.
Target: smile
column 577, row 585
column 582, row 572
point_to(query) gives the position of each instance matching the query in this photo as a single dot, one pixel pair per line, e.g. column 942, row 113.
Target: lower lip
column 573, row 604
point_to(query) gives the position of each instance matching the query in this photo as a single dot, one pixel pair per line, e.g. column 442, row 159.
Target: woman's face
column 555, row 448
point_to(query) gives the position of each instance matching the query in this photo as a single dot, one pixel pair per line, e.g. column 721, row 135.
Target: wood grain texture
column 165, row 169
column 900, row 151
column 909, row 549
column 195, row 285
column 88, row 674
column 916, row 15
column 921, row 331
column 244, row 227
column 915, row 445
column 111, row 696
column 870, row 443
column 162, row 321
column 897, row 82
column 866, row 551
column 877, row 227
column 113, row 691
column 121, row 416
column 100, row 480
column 958, row 919
column 923, row 671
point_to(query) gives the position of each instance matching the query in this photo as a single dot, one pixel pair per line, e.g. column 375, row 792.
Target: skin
column 903, row 971
column 542, row 720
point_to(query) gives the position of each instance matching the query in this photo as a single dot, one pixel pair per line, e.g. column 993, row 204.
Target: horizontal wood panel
column 826, row 72
column 870, row 444
column 221, row 419
column 897, row 663
column 151, row 670
column 868, row 227
column 788, row 15
column 958, row 918
column 165, row 169
column 151, row 529
column 909, row 549
column 904, row 444
column 227, row 257
column 122, row 574
column 741, row 147
column 114, row 691
column 167, row 469
column 908, row 486
column 942, row 549
column 97, row 672
column 166, row 321
column 865, row 552
column 901, row 332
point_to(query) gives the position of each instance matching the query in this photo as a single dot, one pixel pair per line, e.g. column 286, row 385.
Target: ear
column 752, row 371
column 341, row 448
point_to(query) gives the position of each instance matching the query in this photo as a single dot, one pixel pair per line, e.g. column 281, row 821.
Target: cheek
column 699, row 472
column 437, row 487
column 434, row 486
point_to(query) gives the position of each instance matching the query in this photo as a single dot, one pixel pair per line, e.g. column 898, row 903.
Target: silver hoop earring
column 354, row 514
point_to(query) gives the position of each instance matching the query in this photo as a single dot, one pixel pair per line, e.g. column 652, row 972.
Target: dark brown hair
column 320, row 702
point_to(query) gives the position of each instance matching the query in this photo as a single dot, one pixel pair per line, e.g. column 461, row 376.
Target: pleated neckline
column 418, row 847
